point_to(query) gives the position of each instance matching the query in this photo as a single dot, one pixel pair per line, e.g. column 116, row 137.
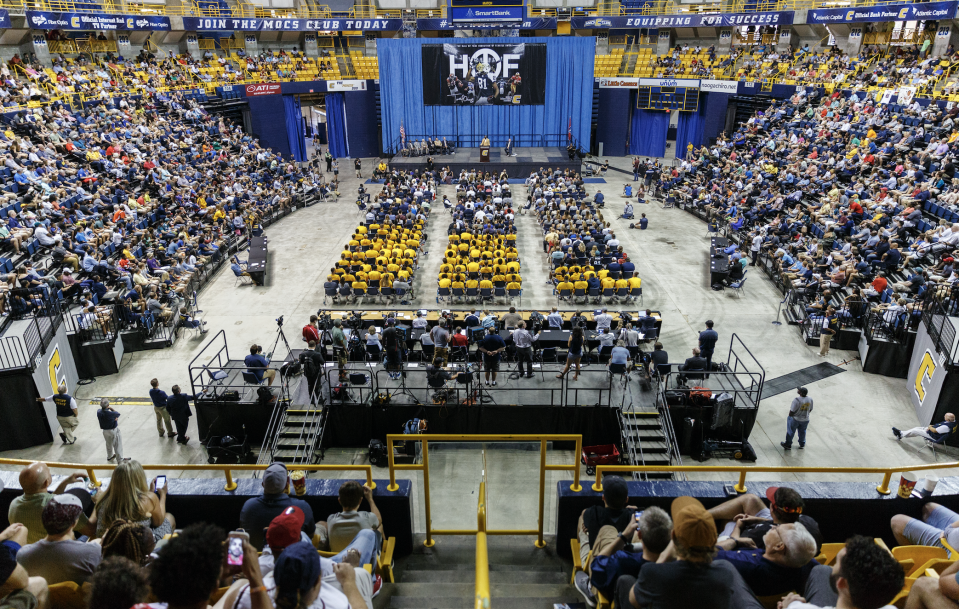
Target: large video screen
column 464, row 74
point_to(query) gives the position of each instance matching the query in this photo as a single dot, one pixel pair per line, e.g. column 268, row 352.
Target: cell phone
column 234, row 551
column 161, row 482
column 730, row 490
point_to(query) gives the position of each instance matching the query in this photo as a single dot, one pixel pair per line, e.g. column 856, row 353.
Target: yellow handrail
column 226, row 469
column 482, row 556
column 882, row 489
column 425, row 468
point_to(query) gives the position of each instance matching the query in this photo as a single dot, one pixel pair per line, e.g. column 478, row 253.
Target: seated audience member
column 131, row 540
column 27, row 509
column 933, row 433
column 128, row 498
column 685, row 574
column 614, row 512
column 937, row 522
column 785, row 507
column 287, row 530
column 59, row 557
column 864, row 576
column 118, row 584
column 18, row 590
column 782, row 566
column 187, row 570
column 342, row 527
column 617, row 554
column 259, row 512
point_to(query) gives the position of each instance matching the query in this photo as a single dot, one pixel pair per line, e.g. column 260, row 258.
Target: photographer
column 524, row 348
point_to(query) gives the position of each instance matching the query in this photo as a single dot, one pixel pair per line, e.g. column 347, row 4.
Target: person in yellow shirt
column 472, row 284
column 445, row 282
column 634, row 283
column 513, row 286
column 513, row 266
column 581, row 285
column 374, row 276
column 359, row 288
column 621, row 284
column 473, row 267
column 458, row 283
column 499, row 279
column 486, row 284
column 608, row 282
column 564, row 286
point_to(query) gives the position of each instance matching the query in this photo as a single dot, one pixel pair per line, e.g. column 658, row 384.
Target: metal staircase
column 299, row 435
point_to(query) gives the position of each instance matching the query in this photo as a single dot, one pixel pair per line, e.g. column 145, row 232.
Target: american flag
column 569, row 130
column 402, row 134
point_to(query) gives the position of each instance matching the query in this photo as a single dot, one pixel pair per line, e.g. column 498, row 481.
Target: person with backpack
column 393, row 350
column 312, row 360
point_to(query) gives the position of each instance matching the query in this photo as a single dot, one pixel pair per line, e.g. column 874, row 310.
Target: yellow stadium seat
column 920, row 555
column 68, row 595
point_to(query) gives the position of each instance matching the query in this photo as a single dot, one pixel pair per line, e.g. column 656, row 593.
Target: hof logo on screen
column 485, row 61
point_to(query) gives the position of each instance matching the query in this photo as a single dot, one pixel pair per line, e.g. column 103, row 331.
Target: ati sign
column 263, row 89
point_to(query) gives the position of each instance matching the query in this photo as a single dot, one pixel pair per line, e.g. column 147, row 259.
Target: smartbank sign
column 203, row 24
column 508, row 13
column 895, row 12
column 704, row 20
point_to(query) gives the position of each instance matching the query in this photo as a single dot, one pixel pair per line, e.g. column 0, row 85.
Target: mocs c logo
column 53, row 370
column 927, row 368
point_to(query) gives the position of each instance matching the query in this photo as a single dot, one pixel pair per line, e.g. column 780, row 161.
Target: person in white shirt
column 864, row 576
column 420, row 321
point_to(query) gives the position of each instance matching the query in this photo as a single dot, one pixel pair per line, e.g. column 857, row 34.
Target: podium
column 484, row 154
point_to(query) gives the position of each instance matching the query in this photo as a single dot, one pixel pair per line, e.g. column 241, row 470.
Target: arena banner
column 892, row 12
column 5, row 19
column 927, row 373
column 618, row 83
column 290, row 25
column 700, row 20
column 719, row 86
column 335, row 86
column 692, row 83
column 529, row 23
column 45, row 20
column 498, row 14
column 267, row 88
column 467, row 74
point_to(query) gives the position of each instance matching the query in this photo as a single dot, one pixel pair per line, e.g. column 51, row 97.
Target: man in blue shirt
column 491, row 347
column 258, row 366
column 784, row 564
column 107, row 417
column 159, row 398
column 707, row 344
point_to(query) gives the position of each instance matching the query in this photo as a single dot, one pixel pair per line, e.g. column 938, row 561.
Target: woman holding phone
column 129, row 498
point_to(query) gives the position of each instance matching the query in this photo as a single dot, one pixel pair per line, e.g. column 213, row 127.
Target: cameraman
column 524, row 348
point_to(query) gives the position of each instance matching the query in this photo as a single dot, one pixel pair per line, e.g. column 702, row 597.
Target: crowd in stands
column 745, row 554
column 481, row 262
column 131, row 201
column 123, row 549
column 586, row 259
column 380, row 260
column 848, row 202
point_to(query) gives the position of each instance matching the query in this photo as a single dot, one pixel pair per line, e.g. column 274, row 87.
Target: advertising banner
column 892, row 12
column 669, row 82
column 466, row 74
column 529, row 23
column 335, row 86
column 45, row 20
column 269, row 88
column 618, row 83
column 488, row 13
column 5, row 19
column 719, row 86
column 699, row 20
column 290, row 25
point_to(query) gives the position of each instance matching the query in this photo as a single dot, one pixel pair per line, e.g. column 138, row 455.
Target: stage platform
column 519, row 166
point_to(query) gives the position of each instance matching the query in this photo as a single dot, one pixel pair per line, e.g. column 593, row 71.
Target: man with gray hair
column 616, row 554
column 782, row 567
column 111, row 431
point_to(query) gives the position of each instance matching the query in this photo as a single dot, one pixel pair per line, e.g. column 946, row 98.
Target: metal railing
column 482, row 553
column 882, row 489
column 543, row 468
column 226, row 469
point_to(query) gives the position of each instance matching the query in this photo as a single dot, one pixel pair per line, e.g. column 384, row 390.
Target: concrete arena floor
column 849, row 427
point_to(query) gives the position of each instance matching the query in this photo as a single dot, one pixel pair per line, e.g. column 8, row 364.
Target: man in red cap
column 747, row 519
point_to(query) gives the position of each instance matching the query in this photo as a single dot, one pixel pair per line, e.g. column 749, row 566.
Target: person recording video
column 436, row 376
column 524, row 348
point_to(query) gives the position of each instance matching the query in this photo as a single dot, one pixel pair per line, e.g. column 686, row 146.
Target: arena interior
column 479, row 303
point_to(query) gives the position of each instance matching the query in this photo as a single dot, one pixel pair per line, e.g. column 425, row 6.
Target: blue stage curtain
column 689, row 130
column 294, row 127
column 569, row 95
column 715, row 118
column 648, row 133
column 336, row 125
